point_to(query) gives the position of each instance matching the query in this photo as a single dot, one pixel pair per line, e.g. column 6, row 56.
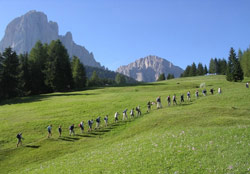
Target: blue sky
column 120, row 31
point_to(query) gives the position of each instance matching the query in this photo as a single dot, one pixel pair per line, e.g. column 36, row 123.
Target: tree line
column 235, row 68
column 47, row 68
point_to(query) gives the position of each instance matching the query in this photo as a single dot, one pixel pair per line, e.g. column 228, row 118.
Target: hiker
column 81, row 125
column 90, row 122
column 71, row 129
column 204, row 92
column 149, row 106
column 158, row 100
column 247, row 85
column 169, row 100
column 182, row 98
column 138, row 111
column 212, row 91
column 49, row 131
column 19, row 139
column 219, row 90
column 106, row 120
column 60, row 131
column 197, row 93
column 132, row 113
column 116, row 117
column 174, row 100
column 188, row 96
column 98, row 121
column 124, row 113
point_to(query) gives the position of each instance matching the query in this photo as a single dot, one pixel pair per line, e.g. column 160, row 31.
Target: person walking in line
column 138, row 111
column 90, row 123
column 174, row 100
column 219, row 90
column 49, row 128
column 81, row 125
column 60, row 130
column 212, row 91
column 158, row 101
column 169, row 100
column 197, row 93
column 116, row 117
column 98, row 121
column 247, row 85
column 19, row 139
column 204, row 92
column 124, row 113
column 188, row 96
column 132, row 113
column 106, row 120
column 182, row 98
column 71, row 129
column 149, row 106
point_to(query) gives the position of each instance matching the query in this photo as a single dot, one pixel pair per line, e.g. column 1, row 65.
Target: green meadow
column 210, row 134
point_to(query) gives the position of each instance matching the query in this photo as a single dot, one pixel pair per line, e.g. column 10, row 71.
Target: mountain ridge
column 149, row 68
column 23, row 32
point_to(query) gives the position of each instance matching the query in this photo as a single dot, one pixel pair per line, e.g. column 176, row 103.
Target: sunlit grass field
column 210, row 134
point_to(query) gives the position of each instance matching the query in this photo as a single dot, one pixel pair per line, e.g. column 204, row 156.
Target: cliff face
column 22, row 33
column 149, row 68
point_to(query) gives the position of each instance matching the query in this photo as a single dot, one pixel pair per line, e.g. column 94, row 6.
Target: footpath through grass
column 210, row 134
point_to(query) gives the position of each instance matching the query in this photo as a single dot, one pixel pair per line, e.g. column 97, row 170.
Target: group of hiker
column 124, row 113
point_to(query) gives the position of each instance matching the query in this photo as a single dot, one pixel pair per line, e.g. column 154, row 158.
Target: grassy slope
column 208, row 135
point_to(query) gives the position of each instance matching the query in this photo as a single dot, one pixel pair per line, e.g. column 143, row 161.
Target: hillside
column 207, row 135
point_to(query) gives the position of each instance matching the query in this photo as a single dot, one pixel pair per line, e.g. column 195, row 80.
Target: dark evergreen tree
column 120, row 79
column 170, row 76
column 58, row 68
column 161, row 77
column 10, row 74
column 222, row 66
column 245, row 62
column 234, row 71
column 187, row 72
column 200, row 70
column 38, row 58
column 205, row 69
column 78, row 73
column 94, row 80
column 25, row 74
column 193, row 70
column 212, row 66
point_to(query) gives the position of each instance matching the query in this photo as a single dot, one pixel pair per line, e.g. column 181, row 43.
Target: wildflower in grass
column 230, row 167
column 193, row 148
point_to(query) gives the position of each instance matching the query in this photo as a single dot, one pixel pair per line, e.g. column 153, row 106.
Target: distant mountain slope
column 23, row 32
column 149, row 68
column 106, row 74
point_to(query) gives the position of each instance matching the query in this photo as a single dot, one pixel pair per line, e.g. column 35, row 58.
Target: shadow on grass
column 32, row 146
column 37, row 98
column 88, row 136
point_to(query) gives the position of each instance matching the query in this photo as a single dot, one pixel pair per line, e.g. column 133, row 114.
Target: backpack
column 97, row 120
column 18, row 136
column 79, row 125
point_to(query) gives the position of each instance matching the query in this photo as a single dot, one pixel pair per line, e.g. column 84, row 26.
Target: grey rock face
column 22, row 33
column 149, row 68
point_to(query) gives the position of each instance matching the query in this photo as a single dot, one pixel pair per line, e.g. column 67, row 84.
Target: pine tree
column 10, row 74
column 187, row 72
column 120, row 79
column 37, row 59
column 234, row 71
column 161, row 77
column 200, row 70
column 78, row 73
column 205, row 69
column 25, row 74
column 94, row 80
column 212, row 67
column 193, row 70
column 170, row 76
column 245, row 63
column 58, row 68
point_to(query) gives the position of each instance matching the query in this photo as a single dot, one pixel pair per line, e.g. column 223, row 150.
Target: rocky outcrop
column 149, row 68
column 22, row 33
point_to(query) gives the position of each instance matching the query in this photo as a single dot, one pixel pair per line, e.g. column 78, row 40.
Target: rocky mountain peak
column 149, row 68
column 23, row 32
